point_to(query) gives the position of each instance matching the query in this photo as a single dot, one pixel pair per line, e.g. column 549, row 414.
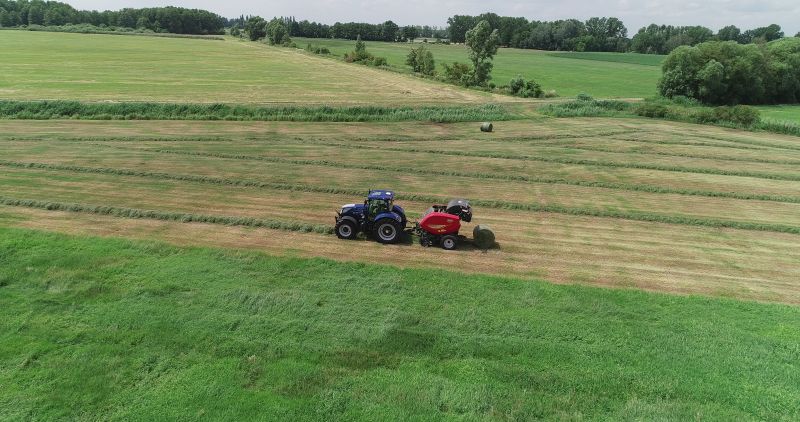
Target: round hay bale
column 483, row 237
column 487, row 127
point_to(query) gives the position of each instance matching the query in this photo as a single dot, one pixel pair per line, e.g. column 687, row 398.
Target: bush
column 519, row 87
column 550, row 93
column 317, row 50
column 584, row 97
column 652, row 110
column 362, row 56
column 687, row 111
column 740, row 115
column 421, row 61
column 458, row 73
column 516, row 84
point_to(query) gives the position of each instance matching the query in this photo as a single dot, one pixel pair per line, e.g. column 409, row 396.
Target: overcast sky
column 714, row 14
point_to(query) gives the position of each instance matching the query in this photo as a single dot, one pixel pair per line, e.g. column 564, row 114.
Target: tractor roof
column 380, row 194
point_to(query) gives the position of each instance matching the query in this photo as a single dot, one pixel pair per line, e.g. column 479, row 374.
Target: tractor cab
column 378, row 202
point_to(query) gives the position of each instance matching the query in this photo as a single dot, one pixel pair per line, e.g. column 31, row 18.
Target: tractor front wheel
column 346, row 230
column 449, row 242
column 387, row 230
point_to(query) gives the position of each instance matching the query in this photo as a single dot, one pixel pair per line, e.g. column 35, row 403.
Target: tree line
column 663, row 39
column 387, row 31
column 602, row 34
column 728, row 73
column 170, row 19
column 595, row 34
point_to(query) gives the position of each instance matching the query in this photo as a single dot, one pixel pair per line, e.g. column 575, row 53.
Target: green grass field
column 117, row 330
column 790, row 113
column 46, row 65
column 598, row 74
column 185, row 268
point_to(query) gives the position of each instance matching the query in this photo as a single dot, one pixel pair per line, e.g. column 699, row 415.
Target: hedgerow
column 44, row 110
column 739, row 117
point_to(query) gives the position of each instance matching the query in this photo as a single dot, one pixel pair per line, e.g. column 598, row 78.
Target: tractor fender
column 350, row 219
column 394, row 216
column 397, row 209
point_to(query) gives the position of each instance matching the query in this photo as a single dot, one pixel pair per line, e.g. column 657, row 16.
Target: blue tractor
column 378, row 216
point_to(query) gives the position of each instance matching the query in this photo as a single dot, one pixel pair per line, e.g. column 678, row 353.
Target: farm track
column 571, row 203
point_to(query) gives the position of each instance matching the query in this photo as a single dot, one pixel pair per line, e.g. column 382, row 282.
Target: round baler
column 440, row 224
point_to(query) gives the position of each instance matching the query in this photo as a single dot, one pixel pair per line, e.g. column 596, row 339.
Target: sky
column 715, row 14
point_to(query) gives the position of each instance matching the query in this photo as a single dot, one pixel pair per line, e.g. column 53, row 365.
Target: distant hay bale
column 483, row 237
column 487, row 127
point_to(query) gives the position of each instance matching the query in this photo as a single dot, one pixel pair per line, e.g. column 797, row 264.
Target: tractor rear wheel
column 387, row 230
column 346, row 230
column 449, row 242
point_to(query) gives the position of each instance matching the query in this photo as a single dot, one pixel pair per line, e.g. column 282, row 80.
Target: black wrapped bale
column 487, row 127
column 483, row 237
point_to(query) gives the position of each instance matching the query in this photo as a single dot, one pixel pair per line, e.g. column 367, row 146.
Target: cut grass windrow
column 477, row 175
column 337, row 142
column 690, row 144
column 352, row 145
column 498, row 204
column 681, row 155
column 581, row 162
column 167, row 216
column 750, row 142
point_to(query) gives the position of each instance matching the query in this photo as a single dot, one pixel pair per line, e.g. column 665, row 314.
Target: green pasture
column 790, row 113
column 90, row 67
column 101, row 329
column 627, row 75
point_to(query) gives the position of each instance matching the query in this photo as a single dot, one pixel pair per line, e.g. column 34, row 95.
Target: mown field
column 654, row 205
column 42, row 65
column 186, row 269
column 600, row 74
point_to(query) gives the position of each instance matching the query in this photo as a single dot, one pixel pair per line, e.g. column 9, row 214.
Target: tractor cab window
column 377, row 206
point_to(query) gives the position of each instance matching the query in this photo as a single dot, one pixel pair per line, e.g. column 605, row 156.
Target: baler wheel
column 387, row 230
column 449, row 242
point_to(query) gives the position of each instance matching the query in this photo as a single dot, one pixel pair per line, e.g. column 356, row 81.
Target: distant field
column 45, row 65
column 783, row 112
column 631, row 58
column 599, row 74
column 636, row 203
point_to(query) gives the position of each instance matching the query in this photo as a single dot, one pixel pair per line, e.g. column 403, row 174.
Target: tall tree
column 255, row 28
column 482, row 42
column 730, row 33
column 458, row 26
